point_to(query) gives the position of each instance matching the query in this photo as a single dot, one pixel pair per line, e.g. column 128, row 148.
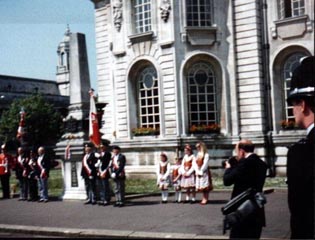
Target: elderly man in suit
column 249, row 172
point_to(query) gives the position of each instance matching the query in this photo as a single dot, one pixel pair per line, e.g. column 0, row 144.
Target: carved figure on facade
column 117, row 13
column 165, row 9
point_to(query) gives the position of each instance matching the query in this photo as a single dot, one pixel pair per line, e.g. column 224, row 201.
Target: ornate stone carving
column 165, row 9
column 117, row 13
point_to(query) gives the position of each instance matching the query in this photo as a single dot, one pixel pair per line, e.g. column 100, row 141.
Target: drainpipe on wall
column 268, row 139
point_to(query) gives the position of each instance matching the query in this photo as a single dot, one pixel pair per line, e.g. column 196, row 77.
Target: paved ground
column 142, row 217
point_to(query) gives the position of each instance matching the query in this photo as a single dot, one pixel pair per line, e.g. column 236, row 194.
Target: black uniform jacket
column 120, row 169
column 105, row 160
column 91, row 164
column 300, row 175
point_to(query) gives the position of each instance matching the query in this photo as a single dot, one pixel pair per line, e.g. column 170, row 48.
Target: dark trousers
column 104, row 189
column 5, row 183
column 33, row 189
column 23, row 181
column 247, row 229
column 120, row 189
column 90, row 188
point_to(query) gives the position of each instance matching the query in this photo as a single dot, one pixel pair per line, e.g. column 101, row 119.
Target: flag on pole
column 94, row 133
column 20, row 131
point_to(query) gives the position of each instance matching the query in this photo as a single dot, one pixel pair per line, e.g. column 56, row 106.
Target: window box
column 289, row 125
column 205, row 129
column 145, row 131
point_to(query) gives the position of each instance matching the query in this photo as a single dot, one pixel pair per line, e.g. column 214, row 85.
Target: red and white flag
column 94, row 133
column 67, row 152
column 20, row 131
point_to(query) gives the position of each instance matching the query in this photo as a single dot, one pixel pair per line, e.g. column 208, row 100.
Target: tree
column 43, row 124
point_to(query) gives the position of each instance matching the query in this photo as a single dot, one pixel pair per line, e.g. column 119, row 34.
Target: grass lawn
column 140, row 186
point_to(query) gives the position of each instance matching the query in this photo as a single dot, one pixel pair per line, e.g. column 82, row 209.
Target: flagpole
column 94, row 133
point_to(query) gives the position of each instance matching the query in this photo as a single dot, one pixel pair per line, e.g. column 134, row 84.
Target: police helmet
column 303, row 80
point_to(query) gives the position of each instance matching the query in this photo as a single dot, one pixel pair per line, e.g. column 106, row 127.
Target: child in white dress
column 163, row 176
column 188, row 175
column 176, row 179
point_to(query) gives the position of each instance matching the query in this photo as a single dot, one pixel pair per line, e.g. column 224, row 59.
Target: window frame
column 207, row 95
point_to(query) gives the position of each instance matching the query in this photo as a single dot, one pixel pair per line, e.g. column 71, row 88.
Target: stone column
column 76, row 122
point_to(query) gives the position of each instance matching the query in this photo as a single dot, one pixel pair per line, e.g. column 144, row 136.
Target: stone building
column 184, row 71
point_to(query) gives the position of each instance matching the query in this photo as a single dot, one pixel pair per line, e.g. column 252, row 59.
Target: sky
column 30, row 31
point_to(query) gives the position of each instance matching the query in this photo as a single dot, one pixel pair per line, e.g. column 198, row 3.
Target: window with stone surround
column 142, row 16
column 198, row 13
column 202, row 94
column 288, row 67
column 148, row 98
column 291, row 8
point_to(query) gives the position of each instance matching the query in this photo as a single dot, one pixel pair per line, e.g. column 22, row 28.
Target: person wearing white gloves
column 118, row 175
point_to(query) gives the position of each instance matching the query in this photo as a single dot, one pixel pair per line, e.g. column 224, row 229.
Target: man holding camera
column 248, row 173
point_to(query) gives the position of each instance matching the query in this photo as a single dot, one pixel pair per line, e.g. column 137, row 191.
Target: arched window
column 289, row 66
column 148, row 98
column 202, row 94
column 198, row 13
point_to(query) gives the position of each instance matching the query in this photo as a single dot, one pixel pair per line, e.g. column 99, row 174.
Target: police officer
column 301, row 155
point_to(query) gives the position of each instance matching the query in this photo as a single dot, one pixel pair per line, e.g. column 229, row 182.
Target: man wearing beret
column 118, row 174
column 301, row 155
column 88, row 173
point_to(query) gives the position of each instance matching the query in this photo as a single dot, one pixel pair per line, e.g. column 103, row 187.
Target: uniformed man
column 88, row 173
column 301, row 156
column 103, row 174
column 118, row 174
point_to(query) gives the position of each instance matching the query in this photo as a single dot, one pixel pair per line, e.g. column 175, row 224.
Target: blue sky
column 30, row 31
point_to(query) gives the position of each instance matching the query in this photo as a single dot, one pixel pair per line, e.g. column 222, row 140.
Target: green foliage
column 43, row 124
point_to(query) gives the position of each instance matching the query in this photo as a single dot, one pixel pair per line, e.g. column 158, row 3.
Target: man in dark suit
column 103, row 164
column 249, row 172
column 301, row 155
column 118, row 174
column 88, row 173
column 43, row 167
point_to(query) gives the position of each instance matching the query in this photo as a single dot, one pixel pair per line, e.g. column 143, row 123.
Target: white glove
column 90, row 177
column 98, row 164
column 113, row 175
column 97, row 155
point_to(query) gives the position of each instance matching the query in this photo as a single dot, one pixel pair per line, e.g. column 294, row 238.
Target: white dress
column 163, row 174
column 202, row 173
column 188, row 169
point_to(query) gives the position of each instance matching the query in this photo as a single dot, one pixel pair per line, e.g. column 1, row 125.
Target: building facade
column 178, row 72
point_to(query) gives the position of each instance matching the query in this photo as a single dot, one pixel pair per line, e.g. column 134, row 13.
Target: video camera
column 232, row 161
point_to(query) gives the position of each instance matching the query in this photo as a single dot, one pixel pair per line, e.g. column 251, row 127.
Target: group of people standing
column 98, row 168
column 190, row 173
column 31, row 170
